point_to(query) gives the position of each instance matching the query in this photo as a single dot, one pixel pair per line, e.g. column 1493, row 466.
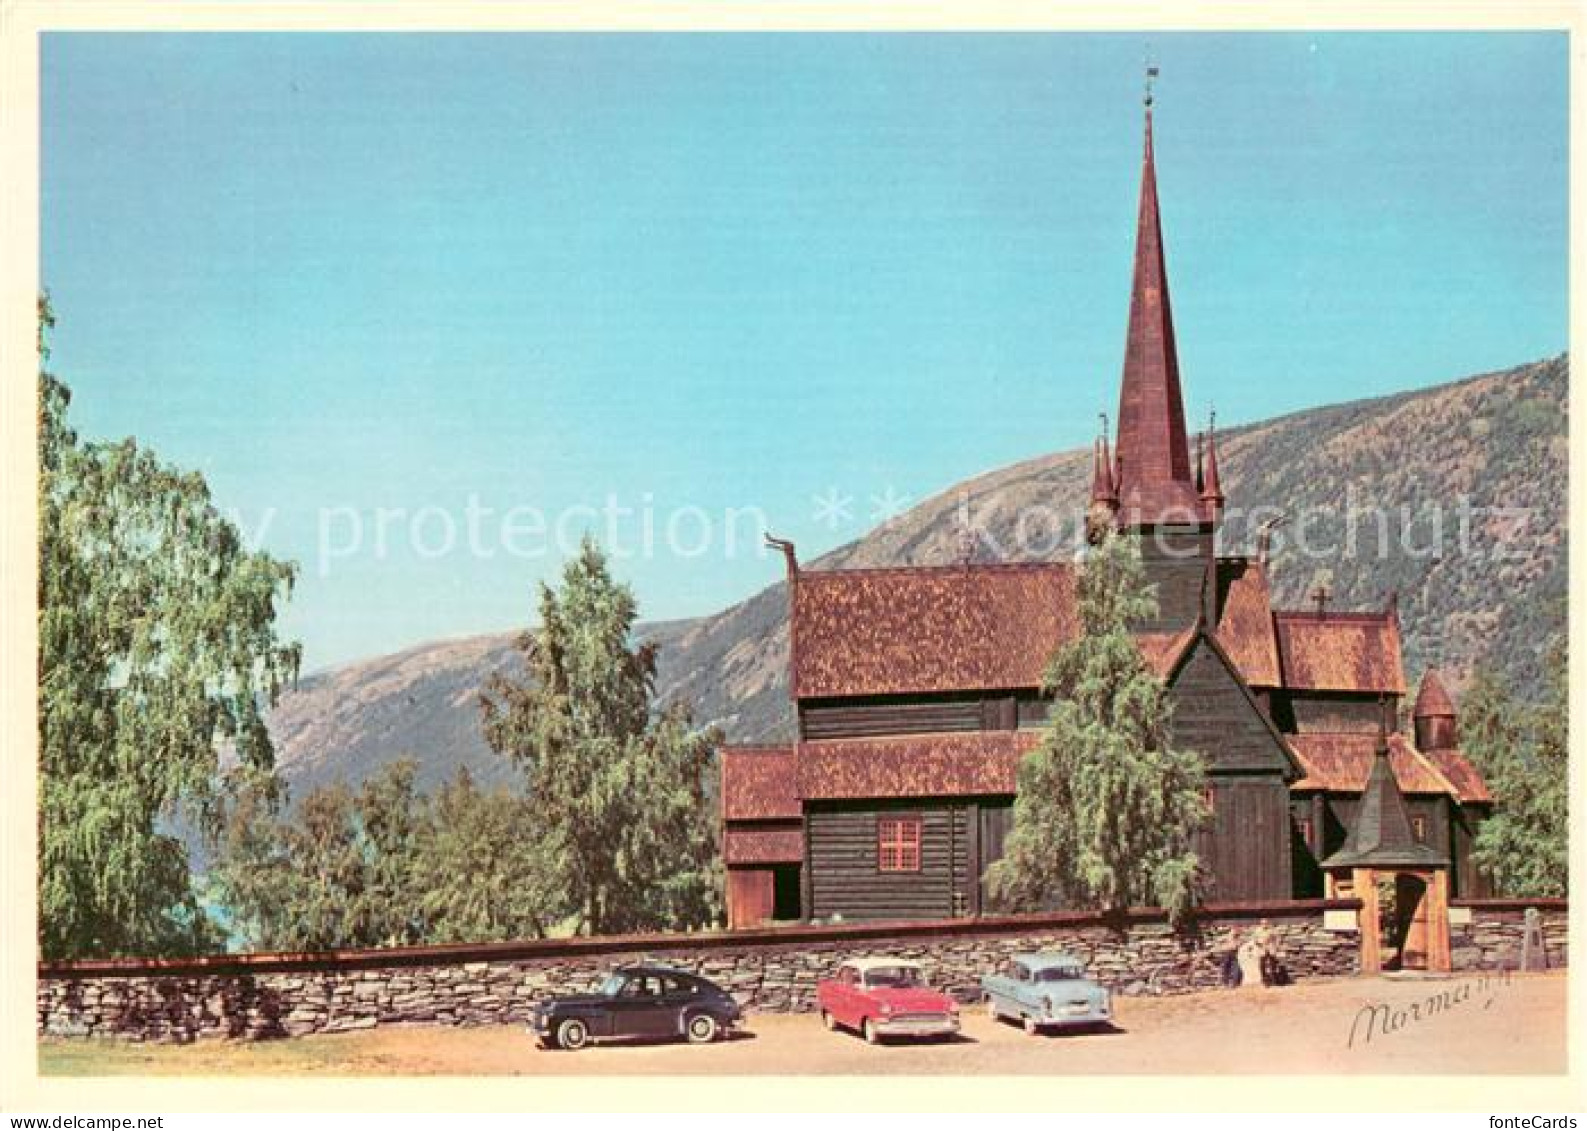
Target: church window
column 898, row 844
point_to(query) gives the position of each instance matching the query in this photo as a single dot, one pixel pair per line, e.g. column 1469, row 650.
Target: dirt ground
column 1464, row 1024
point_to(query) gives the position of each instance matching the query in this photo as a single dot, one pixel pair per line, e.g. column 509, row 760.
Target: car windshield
column 613, row 985
column 894, row 977
column 1061, row 974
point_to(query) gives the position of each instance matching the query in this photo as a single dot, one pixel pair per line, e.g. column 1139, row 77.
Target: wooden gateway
column 917, row 690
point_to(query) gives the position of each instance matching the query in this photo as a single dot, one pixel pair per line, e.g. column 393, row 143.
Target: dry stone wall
column 1492, row 939
column 773, row 970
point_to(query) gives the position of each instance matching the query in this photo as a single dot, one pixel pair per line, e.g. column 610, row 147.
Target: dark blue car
column 638, row 1002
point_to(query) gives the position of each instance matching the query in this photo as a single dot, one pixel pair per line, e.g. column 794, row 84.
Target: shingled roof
column 1245, row 621
column 1457, row 768
column 914, row 630
column 778, row 844
column 1432, row 701
column 1342, row 763
column 926, row 629
column 1340, row 651
column 758, row 783
column 917, row 765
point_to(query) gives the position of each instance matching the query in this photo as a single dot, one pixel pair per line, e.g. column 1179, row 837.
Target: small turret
column 1434, row 715
column 1104, row 487
column 1211, row 490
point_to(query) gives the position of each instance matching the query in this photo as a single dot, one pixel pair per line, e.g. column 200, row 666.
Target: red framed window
column 898, row 844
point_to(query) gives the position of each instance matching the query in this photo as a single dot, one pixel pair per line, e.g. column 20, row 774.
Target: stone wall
column 771, row 970
column 1486, row 934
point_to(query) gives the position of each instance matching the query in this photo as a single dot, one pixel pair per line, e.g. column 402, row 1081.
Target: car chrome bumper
column 1090, row 1015
column 917, row 1026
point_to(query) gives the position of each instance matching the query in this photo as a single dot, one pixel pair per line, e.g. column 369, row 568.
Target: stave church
column 918, row 689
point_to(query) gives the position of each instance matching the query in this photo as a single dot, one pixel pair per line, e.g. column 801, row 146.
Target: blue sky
column 443, row 275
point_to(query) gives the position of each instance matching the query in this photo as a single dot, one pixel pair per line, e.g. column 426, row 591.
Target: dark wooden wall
column 1248, row 849
column 1213, row 717
column 1178, row 579
column 1469, row 881
column 844, row 877
column 1301, row 713
column 879, row 715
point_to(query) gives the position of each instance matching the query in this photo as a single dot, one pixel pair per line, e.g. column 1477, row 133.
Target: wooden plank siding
column 1178, row 579
column 1320, row 713
column 846, row 881
column 750, row 896
column 1213, row 717
column 1247, row 851
column 872, row 717
column 1468, row 881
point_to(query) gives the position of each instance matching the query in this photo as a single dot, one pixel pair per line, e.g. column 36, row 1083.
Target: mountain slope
column 1407, row 473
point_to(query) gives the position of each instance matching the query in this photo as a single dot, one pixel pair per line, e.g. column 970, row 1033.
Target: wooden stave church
column 917, row 690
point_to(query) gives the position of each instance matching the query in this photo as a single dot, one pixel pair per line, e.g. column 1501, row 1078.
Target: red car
column 885, row 997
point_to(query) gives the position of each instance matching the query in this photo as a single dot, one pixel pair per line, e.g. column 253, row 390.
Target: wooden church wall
column 1248, row 849
column 1213, row 717
column 844, row 875
column 1327, row 714
column 867, row 717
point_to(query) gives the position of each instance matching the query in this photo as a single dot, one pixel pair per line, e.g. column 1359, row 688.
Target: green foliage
column 1107, row 809
column 625, row 828
column 382, row 865
column 157, row 648
column 476, row 878
column 1523, row 751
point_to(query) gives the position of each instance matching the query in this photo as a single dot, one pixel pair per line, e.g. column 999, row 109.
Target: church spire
column 1155, row 480
column 1104, row 489
column 1211, row 489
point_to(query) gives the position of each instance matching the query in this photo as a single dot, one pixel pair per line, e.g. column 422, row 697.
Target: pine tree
column 1107, row 810
column 1522, row 750
column 617, row 788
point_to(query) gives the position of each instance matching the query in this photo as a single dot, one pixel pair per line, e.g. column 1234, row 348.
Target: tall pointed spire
column 1211, row 489
column 1155, row 482
column 1104, row 489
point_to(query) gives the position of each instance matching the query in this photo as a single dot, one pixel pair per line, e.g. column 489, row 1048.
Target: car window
column 1020, row 973
column 671, row 984
column 894, row 977
column 640, row 985
column 613, row 985
column 1062, row 973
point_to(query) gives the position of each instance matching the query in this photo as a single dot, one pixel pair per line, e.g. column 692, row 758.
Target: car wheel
column 573, row 1034
column 872, row 1037
column 701, row 1029
column 1030, row 1025
column 829, row 1021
